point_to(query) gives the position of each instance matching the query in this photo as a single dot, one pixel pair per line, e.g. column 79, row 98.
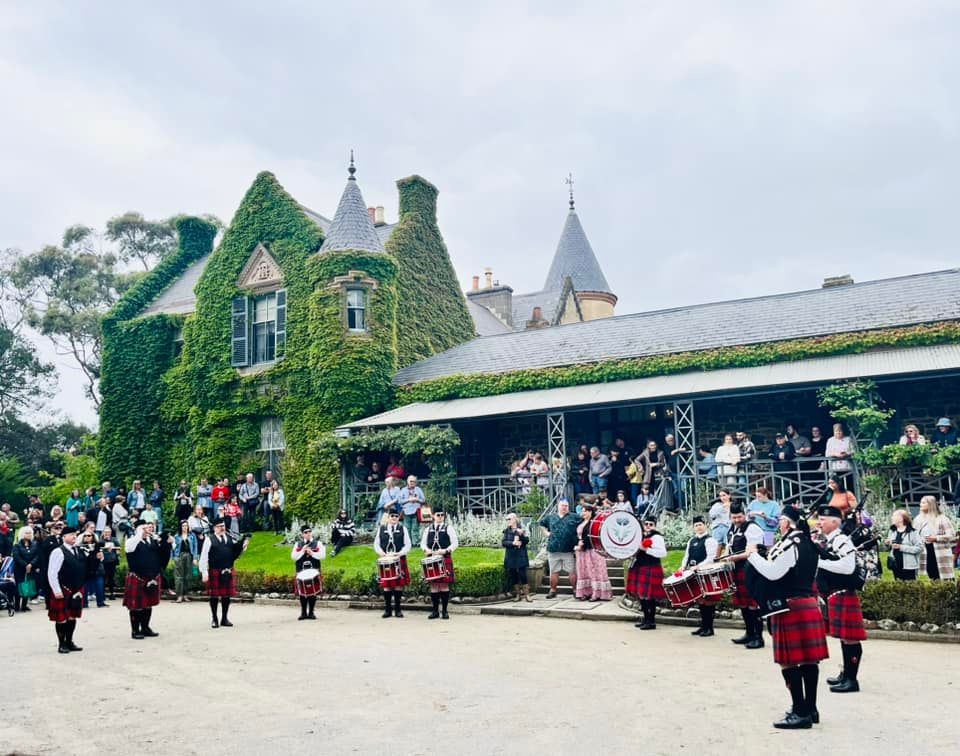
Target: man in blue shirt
column 411, row 499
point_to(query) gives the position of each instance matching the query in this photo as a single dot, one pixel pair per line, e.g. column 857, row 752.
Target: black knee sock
column 707, row 612
column 303, row 606
column 396, row 600
column 445, row 599
column 61, row 628
column 747, row 622
column 311, row 603
column 811, row 674
column 134, row 622
column 852, row 653
column 213, row 606
column 794, row 679
column 435, row 600
column 68, row 632
column 224, row 607
column 147, row 614
column 387, row 598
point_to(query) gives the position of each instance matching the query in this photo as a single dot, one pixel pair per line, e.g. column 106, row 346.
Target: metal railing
column 910, row 484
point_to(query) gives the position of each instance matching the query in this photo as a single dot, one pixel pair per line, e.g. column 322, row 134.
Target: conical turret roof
column 351, row 227
column 575, row 258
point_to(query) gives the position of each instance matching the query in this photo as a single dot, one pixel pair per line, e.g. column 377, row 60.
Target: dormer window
column 259, row 315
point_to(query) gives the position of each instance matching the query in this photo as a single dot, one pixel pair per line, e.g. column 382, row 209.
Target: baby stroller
column 8, row 586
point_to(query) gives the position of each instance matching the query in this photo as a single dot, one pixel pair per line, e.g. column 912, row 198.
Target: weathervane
column 352, row 169
column 569, row 182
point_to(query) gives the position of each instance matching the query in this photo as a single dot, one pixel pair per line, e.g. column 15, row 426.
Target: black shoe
column 847, row 686
column 838, row 679
column 387, row 613
column 640, row 624
column 213, row 623
column 708, row 633
column 136, row 636
column 26, row 609
column 648, row 626
column 551, row 594
column 311, row 616
column 148, row 633
column 741, row 641
column 398, row 613
column 793, row 722
column 444, row 615
column 225, row 623
column 71, row 646
column 698, row 631
column 434, row 615
column 302, row 617
column 62, row 649
column 754, row 643
column 814, row 715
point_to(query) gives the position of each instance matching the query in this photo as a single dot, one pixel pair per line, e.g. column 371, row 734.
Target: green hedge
column 936, row 602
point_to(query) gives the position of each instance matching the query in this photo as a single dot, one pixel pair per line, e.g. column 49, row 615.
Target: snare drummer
column 701, row 550
column 307, row 554
column 440, row 538
column 393, row 538
column 743, row 534
column 645, row 576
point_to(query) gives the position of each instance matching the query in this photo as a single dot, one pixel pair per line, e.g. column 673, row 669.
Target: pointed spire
column 569, row 182
column 575, row 258
column 351, row 227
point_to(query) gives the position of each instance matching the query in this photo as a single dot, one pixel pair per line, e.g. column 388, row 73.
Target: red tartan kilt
column 845, row 617
column 798, row 635
column 137, row 596
column 448, row 565
column 58, row 609
column 398, row 583
column 646, row 582
column 221, row 585
column 741, row 596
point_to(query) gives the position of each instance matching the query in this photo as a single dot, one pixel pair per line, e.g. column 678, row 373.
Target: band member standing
column 844, row 613
column 645, row 576
column 701, row 549
column 49, row 543
column 742, row 535
column 219, row 553
column 307, row 554
column 799, row 638
column 393, row 538
column 66, row 573
column 147, row 556
column 440, row 538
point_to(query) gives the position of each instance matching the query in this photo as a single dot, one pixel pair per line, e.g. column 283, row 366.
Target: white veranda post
column 557, row 456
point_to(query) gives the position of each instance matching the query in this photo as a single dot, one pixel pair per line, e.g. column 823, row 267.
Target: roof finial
column 352, row 169
column 569, row 182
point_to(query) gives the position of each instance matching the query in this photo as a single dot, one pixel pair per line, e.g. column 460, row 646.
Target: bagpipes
column 769, row 594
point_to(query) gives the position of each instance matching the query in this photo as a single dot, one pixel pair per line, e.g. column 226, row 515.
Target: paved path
column 479, row 684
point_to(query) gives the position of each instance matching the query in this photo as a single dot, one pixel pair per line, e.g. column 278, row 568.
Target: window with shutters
column 357, row 310
column 259, row 328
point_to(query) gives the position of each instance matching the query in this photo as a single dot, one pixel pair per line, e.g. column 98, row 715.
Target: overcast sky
column 719, row 150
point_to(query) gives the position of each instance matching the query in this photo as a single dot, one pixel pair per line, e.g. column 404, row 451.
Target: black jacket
column 25, row 553
column 515, row 557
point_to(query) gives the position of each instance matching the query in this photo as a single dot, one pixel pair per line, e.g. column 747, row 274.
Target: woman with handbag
column 905, row 546
column 26, row 560
column 938, row 536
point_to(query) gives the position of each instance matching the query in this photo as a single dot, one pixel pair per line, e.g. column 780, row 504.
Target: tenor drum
column 434, row 568
column 390, row 568
column 308, row 583
column 716, row 578
column 615, row 534
column 683, row 589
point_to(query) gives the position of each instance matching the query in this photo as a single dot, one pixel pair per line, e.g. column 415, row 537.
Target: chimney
column 475, row 286
column 372, row 212
column 832, row 281
column 537, row 313
column 537, row 321
column 378, row 217
column 487, row 278
column 494, row 297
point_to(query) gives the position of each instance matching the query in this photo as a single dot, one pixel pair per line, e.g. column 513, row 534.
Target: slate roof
column 575, row 258
column 891, row 302
column 523, row 304
column 351, row 227
column 485, row 323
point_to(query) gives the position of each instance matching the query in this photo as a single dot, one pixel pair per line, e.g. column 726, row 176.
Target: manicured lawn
column 264, row 554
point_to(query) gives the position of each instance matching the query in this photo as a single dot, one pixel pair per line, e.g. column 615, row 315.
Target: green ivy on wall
column 493, row 384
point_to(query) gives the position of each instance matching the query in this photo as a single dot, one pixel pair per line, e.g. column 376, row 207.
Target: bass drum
column 616, row 534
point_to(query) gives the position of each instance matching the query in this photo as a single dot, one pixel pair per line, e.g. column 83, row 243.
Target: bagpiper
column 147, row 556
column 220, row 551
column 66, row 572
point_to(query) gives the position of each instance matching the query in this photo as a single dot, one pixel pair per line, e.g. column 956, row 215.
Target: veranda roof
column 915, row 361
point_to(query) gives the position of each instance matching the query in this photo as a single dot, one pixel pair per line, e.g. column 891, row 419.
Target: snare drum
column 308, row 583
column 615, row 535
column 434, row 568
column 393, row 571
column 716, row 578
column 684, row 589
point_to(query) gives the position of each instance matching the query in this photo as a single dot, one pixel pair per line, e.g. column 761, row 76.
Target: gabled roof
column 575, row 258
column 887, row 303
column 485, row 323
column 351, row 228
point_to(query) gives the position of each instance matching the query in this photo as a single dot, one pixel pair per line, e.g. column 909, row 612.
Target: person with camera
column 515, row 557
column 844, row 613
column 147, row 556
column 220, row 551
column 65, row 574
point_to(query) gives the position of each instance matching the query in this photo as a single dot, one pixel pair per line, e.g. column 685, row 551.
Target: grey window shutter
column 240, row 347
column 281, row 325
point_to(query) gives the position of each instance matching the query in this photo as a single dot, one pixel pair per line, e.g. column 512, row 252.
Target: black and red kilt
column 221, row 584
column 646, row 582
column 845, row 617
column 398, row 583
column 137, row 595
column 58, row 609
column 741, row 596
column 798, row 635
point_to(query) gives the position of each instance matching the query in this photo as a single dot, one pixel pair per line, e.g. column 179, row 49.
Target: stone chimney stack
column 496, row 298
column 832, row 281
column 475, row 285
column 379, row 217
column 487, row 278
column 372, row 212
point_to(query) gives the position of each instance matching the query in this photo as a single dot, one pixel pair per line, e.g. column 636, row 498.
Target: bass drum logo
column 621, row 535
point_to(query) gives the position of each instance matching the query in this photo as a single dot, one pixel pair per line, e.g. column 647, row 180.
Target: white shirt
column 407, row 545
column 319, row 550
column 836, row 445
column 658, row 548
column 711, row 546
column 450, row 532
column 782, row 558
column 101, row 520
column 54, row 565
column 205, row 551
column 842, row 545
